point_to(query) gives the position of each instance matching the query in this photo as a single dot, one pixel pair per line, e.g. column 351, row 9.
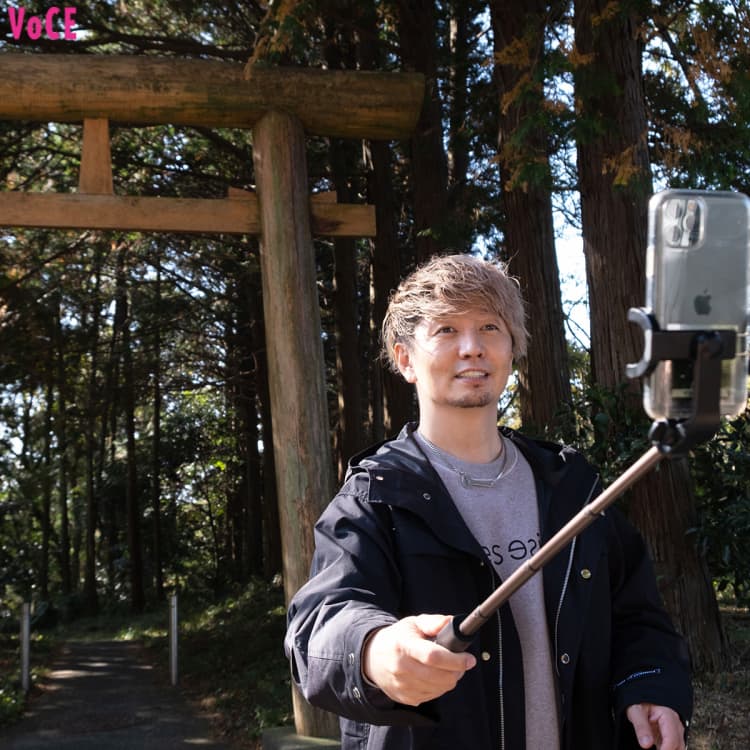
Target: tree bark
column 158, row 562
column 544, row 377
column 615, row 185
column 392, row 398
column 61, row 429
column 89, row 585
column 342, row 158
column 46, row 494
column 429, row 167
column 458, row 148
column 295, row 358
column 132, row 505
column 272, row 554
column 348, row 367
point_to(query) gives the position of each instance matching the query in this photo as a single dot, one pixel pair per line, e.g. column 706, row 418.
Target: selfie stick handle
column 670, row 438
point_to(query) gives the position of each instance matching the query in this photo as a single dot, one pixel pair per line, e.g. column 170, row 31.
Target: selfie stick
column 670, row 438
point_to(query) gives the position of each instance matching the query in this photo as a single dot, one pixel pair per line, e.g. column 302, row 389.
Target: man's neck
column 468, row 434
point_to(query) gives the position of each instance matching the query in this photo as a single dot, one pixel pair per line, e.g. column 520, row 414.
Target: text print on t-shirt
column 516, row 549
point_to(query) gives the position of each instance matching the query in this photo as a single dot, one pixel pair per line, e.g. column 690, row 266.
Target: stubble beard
column 471, row 401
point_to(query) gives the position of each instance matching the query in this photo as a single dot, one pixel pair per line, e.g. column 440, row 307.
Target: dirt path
column 105, row 696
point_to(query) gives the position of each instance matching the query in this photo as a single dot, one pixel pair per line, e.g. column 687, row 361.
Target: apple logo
column 702, row 303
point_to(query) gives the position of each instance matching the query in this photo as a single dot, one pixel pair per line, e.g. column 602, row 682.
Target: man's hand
column 404, row 662
column 657, row 726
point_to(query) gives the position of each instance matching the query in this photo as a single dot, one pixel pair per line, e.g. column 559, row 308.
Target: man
column 582, row 657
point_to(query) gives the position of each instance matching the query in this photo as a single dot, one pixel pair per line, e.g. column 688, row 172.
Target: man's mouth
column 473, row 374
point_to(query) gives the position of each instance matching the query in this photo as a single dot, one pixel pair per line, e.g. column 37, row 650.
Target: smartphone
column 698, row 278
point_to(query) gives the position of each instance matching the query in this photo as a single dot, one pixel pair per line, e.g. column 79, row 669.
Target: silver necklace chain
column 467, row 481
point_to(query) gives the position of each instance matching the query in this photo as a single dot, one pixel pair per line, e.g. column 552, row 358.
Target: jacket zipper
column 557, row 622
column 501, row 688
column 500, row 668
column 566, row 581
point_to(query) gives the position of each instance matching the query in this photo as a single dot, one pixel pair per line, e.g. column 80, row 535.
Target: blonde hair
column 449, row 285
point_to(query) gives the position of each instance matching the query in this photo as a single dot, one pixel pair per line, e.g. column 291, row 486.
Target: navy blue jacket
column 392, row 544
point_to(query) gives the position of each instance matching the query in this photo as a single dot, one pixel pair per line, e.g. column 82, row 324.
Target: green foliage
column 611, row 429
column 721, row 468
column 12, row 697
column 608, row 425
column 697, row 86
column 11, row 700
column 231, row 655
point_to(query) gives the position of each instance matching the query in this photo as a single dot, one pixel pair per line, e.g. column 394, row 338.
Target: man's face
column 459, row 361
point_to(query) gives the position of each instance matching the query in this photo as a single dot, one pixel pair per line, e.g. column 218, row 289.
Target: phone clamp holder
column 706, row 349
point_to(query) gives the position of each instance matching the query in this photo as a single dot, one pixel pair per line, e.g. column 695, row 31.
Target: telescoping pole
column 457, row 636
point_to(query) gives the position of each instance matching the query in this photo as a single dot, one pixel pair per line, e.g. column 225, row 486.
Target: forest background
column 135, row 429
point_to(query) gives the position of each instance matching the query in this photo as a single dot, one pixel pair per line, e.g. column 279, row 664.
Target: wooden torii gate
column 280, row 106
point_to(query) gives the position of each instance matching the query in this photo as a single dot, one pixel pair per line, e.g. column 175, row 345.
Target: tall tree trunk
column 46, row 494
column 615, row 184
column 348, row 367
column 458, row 146
column 253, row 531
column 234, row 425
column 272, row 558
column 523, row 143
column 395, row 403
column 111, row 406
column 89, row 584
column 250, row 490
column 417, row 31
column 135, row 551
column 78, row 516
column 61, row 429
column 158, row 563
column 343, row 156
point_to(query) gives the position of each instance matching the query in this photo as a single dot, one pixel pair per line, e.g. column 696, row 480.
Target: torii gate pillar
column 296, row 370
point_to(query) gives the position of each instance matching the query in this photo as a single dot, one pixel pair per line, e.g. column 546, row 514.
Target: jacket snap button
column 486, row 656
column 356, row 693
column 586, row 574
column 379, row 477
column 351, row 659
column 427, row 496
column 565, row 659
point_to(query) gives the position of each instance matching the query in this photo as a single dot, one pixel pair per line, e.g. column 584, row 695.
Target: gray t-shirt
column 504, row 519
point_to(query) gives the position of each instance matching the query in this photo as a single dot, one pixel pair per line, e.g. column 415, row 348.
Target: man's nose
column 470, row 344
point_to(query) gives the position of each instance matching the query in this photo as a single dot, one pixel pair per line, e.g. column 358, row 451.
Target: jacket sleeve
column 650, row 661
column 353, row 589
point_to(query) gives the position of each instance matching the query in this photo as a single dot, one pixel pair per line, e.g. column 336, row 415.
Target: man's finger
column 638, row 717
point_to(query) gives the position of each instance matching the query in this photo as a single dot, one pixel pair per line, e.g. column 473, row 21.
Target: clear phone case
column 698, row 278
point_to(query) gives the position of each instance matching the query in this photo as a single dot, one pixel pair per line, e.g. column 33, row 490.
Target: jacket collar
column 402, row 476
column 549, row 461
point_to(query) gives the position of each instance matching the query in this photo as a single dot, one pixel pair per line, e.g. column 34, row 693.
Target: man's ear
column 403, row 361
